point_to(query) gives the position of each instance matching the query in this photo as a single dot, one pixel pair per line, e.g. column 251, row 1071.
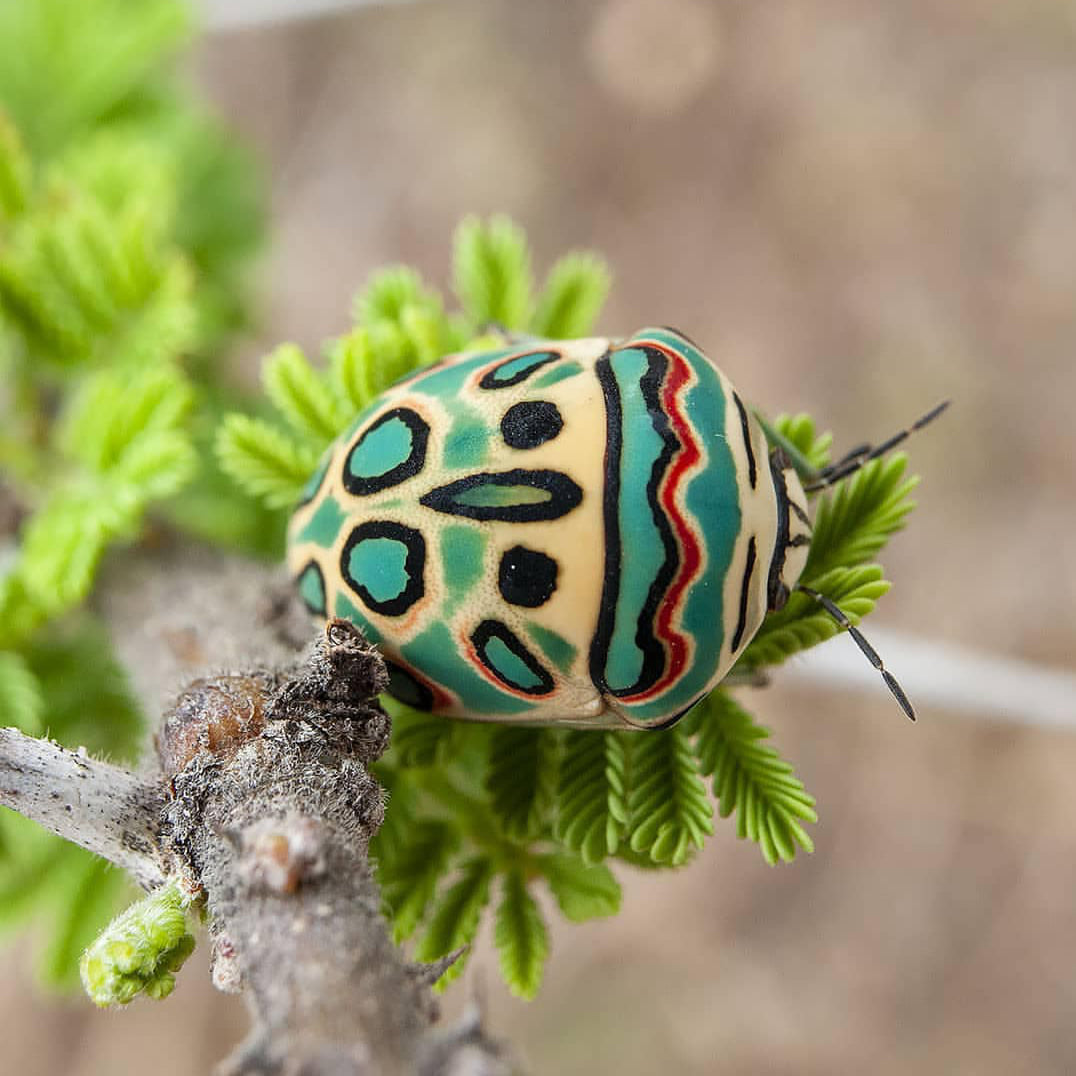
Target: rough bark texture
column 265, row 806
column 93, row 804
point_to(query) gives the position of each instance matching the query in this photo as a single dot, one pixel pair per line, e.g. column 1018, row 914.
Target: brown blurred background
column 859, row 208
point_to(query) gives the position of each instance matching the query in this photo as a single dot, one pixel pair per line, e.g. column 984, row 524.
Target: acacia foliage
column 127, row 220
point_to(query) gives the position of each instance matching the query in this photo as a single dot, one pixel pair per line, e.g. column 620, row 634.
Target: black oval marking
column 464, row 497
column 489, row 630
column 408, row 688
column 741, row 622
column 526, row 577
column 531, row 423
column 491, row 380
column 364, row 485
column 752, row 467
column 414, row 565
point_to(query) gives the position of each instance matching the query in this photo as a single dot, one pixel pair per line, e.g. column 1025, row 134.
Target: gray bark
column 94, row 804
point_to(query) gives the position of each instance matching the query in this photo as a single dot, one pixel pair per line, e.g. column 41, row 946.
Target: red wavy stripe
column 690, row 553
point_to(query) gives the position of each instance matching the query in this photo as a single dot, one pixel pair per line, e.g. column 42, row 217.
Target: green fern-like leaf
column 84, row 286
column 21, row 700
column 522, row 778
column 581, row 891
column 751, row 779
column 390, row 292
column 15, row 171
column 799, row 430
column 671, row 815
column 574, row 293
column 61, row 547
column 492, row 273
column 803, row 623
column 350, row 362
column 592, row 795
column 110, row 413
column 263, row 460
column 520, row 934
column 409, row 882
column 853, row 523
column 302, row 396
column 71, row 66
column 456, row 917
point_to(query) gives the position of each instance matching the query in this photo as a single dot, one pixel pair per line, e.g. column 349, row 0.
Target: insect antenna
column 860, row 640
column 862, row 454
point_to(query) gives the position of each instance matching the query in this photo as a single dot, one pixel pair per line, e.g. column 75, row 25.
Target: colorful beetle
column 581, row 533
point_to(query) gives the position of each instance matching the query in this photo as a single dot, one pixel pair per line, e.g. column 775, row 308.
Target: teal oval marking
column 380, row 565
column 516, row 370
column 494, row 496
column 510, row 666
column 381, row 450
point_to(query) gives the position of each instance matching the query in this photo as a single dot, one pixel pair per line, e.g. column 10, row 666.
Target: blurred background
column 859, row 208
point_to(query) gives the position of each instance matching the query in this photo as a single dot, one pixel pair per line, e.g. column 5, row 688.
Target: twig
column 93, row 804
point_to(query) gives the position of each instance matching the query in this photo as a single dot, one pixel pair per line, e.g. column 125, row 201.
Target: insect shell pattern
column 581, row 533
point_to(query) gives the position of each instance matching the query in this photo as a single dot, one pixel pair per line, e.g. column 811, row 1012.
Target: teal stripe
column 713, row 503
column 324, row 525
column 467, row 440
column 462, row 563
column 554, row 646
column 642, row 552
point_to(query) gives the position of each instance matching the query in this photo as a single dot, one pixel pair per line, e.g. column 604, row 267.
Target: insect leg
column 871, row 654
column 862, row 454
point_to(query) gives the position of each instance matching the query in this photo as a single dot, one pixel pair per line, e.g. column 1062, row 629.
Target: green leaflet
column 521, row 780
column 302, row 396
column 592, row 808
column 139, row 951
column 574, row 293
column 668, row 806
column 751, row 779
column 262, row 460
column 853, row 522
column 803, row 623
column 492, row 273
column 21, row 700
column 410, row 878
column 127, row 218
column 455, row 918
column 520, row 934
column 582, row 891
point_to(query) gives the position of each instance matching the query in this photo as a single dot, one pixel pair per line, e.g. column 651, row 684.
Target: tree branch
column 91, row 803
column 272, row 812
